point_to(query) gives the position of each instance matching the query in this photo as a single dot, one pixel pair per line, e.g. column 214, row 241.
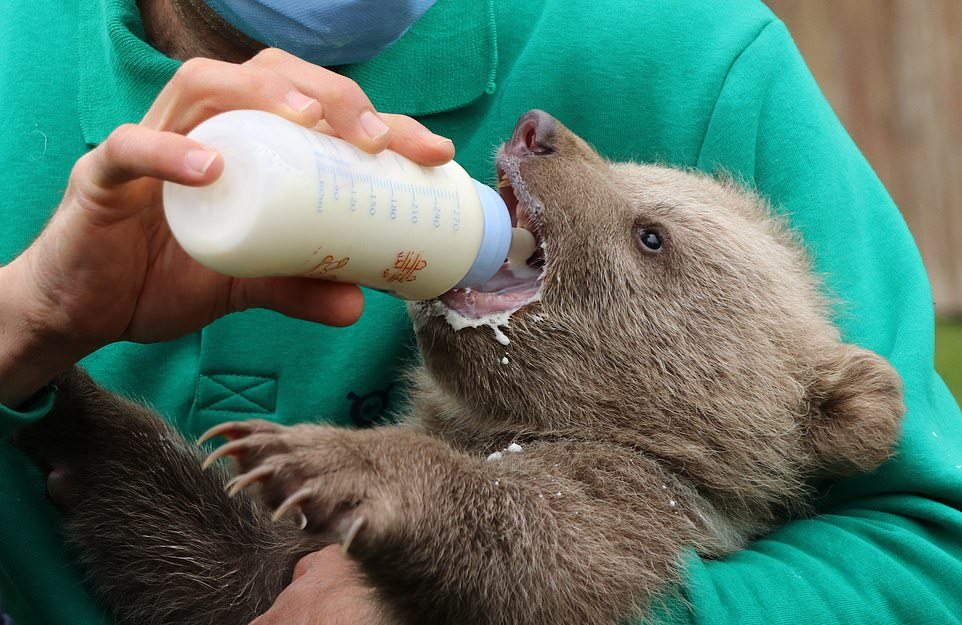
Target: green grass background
column 948, row 354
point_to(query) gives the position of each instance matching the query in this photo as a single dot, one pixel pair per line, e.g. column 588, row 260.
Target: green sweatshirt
column 712, row 84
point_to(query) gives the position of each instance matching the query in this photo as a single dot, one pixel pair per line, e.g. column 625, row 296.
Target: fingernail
column 445, row 143
column 373, row 126
column 298, row 101
column 200, row 160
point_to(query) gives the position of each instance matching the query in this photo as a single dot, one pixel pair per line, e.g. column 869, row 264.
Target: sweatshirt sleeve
column 887, row 547
column 31, row 410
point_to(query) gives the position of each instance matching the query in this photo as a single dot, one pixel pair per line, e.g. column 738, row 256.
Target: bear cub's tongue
column 510, row 289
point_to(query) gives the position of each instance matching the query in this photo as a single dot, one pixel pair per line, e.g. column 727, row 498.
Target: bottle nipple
column 522, row 246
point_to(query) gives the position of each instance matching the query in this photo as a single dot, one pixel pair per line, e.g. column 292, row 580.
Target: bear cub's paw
column 329, row 476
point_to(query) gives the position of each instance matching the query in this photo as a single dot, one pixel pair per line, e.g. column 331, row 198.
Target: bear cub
column 662, row 374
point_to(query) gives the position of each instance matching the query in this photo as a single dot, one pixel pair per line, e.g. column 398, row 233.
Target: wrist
column 30, row 354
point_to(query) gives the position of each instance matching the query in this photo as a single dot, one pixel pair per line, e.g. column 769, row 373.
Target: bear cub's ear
column 855, row 411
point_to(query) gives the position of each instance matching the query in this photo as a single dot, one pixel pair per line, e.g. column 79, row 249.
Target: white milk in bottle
column 294, row 202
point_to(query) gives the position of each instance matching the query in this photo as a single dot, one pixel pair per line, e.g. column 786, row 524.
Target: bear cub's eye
column 651, row 240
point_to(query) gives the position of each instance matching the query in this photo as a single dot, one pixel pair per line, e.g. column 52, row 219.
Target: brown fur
column 663, row 401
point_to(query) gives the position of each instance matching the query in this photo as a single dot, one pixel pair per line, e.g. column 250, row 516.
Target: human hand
column 107, row 268
column 325, row 590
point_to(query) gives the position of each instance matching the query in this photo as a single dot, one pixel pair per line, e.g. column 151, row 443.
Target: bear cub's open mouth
column 513, row 287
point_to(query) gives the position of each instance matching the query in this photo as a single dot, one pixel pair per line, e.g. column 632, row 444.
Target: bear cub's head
column 664, row 309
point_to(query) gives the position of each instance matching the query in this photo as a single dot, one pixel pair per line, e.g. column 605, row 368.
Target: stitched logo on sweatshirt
column 370, row 409
column 243, row 394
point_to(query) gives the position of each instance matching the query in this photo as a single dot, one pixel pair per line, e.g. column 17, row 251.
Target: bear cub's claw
column 307, row 471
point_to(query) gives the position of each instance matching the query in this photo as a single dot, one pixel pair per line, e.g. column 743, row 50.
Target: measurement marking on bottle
column 415, row 207
column 335, row 173
column 437, row 209
column 393, row 210
column 457, row 213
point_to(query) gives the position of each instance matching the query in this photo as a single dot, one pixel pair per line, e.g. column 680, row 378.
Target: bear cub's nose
column 533, row 135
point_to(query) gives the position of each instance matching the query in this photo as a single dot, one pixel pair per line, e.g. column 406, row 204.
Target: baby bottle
column 294, row 202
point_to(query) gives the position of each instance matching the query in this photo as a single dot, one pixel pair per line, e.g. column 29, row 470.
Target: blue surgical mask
column 324, row 32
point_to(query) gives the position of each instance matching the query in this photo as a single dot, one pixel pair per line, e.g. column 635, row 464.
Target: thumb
column 322, row 301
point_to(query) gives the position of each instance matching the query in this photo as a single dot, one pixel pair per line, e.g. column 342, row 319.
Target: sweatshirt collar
column 445, row 61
